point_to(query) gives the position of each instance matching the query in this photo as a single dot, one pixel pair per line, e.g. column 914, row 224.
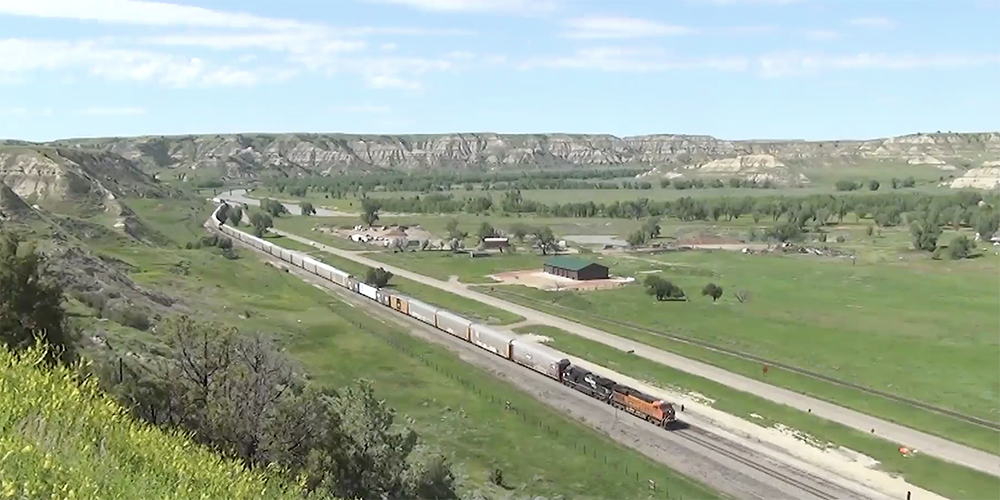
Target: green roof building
column 576, row 269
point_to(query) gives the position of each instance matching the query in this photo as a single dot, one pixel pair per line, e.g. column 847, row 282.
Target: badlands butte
column 964, row 159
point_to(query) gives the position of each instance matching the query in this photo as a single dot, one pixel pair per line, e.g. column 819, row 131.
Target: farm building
column 577, row 269
column 495, row 243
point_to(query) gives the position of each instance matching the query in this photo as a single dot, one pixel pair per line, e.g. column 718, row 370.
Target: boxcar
column 353, row 283
column 296, row 259
column 324, row 271
column 453, row 324
column 400, row 303
column 382, row 297
column 542, row 359
column 340, row 277
column 367, row 290
column 492, row 340
column 423, row 312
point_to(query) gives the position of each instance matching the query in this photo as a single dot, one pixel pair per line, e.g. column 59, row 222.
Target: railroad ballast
column 536, row 357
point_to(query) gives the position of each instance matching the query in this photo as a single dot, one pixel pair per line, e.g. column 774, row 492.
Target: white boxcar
column 542, row 359
column 340, row 277
column 453, row 324
column 422, row 311
column 492, row 340
column 368, row 290
column 296, row 259
column 309, row 265
column 324, row 271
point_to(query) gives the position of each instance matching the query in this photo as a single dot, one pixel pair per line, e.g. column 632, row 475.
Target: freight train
column 539, row 358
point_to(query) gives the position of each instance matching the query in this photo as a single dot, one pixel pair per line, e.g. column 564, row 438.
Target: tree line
column 235, row 392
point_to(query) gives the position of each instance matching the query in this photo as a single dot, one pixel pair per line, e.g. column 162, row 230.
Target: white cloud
column 142, row 13
column 20, row 57
column 633, row 60
column 388, row 47
column 596, row 27
column 872, row 22
column 279, row 41
column 101, row 111
column 503, row 6
column 460, row 54
column 791, row 64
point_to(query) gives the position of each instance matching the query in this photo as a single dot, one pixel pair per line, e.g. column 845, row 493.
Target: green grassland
column 442, row 265
column 337, row 343
column 924, row 471
column 63, row 439
column 469, row 308
column 922, row 329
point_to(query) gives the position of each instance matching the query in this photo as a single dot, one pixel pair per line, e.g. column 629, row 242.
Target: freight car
column 539, row 358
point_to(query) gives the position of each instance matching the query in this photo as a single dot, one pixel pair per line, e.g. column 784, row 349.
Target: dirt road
column 926, row 443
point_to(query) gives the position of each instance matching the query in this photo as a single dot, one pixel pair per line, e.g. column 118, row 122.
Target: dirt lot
column 536, row 278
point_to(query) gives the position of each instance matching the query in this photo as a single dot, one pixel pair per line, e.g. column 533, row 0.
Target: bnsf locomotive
column 540, row 358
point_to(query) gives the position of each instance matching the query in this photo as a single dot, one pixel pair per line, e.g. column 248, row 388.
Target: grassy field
column 62, row 439
column 442, row 265
column 463, row 418
column 469, row 308
column 921, row 470
column 873, row 324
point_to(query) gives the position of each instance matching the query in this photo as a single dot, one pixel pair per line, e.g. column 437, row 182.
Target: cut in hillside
column 88, row 181
column 262, row 155
column 61, row 439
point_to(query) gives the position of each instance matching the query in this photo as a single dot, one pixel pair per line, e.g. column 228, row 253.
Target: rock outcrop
column 256, row 155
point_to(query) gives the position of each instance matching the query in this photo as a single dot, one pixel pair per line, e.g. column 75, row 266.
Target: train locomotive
column 539, row 358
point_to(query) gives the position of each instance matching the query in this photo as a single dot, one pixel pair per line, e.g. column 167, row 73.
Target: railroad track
column 750, row 357
column 691, row 434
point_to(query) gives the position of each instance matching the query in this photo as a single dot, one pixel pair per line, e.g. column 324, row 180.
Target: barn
column 577, row 269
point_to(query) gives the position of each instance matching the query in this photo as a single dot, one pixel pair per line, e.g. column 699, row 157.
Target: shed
column 496, row 243
column 574, row 268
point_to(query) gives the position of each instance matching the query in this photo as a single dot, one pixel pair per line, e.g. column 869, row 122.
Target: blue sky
column 735, row 69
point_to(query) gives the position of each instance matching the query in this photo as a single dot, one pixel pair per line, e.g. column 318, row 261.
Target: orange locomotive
column 643, row 405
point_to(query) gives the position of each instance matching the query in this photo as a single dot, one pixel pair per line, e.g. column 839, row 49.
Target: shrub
column 72, row 437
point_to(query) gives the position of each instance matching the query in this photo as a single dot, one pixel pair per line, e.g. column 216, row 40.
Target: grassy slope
column 457, row 417
column 62, row 440
column 921, row 470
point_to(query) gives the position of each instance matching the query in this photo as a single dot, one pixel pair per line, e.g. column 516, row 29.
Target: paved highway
column 925, row 443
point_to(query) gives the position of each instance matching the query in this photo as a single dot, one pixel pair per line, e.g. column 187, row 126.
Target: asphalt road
column 730, row 468
column 925, row 443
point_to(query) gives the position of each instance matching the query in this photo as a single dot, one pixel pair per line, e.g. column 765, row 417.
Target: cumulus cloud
column 595, row 27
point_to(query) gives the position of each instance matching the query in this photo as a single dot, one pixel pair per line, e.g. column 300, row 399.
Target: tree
column 545, row 239
column 662, row 289
column 783, row 232
column 652, row 227
column 454, row 232
column 873, row 185
column 486, row 231
column 273, row 207
column 377, row 277
column 307, row 208
column 261, row 222
column 369, row 211
column 235, row 215
column 31, row 301
column 986, row 222
column 960, row 248
column 712, row 290
column 519, row 231
column 637, row 238
column 925, row 235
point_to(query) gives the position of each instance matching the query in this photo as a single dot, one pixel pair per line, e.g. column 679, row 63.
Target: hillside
column 250, row 155
column 64, row 440
column 75, row 180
